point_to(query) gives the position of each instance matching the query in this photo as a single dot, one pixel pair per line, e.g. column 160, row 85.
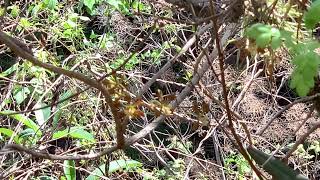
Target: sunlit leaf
column 114, row 166
column 89, row 4
column 42, row 115
column 9, row 133
column 20, row 94
column 69, row 169
column 24, row 120
column 75, row 132
column 306, row 69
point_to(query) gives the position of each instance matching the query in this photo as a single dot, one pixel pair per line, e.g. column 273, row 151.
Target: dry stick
column 225, row 95
column 141, row 134
column 302, row 100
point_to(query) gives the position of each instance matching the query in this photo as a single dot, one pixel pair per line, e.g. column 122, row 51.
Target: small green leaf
column 114, row 166
column 26, row 121
column 51, row 4
column 24, row 22
column 69, row 169
column 14, row 11
column 312, row 16
column 275, row 167
column 9, row 71
column 20, row 94
column 265, row 35
column 89, row 4
column 75, row 132
column 9, row 133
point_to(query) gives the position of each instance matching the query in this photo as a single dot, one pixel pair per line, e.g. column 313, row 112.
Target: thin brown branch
column 225, row 94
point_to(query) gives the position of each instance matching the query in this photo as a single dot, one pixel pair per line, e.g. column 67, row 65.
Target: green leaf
column 75, row 132
column 115, row 3
column 274, row 166
column 9, row 133
column 14, row 11
column 9, row 71
column 312, row 16
column 20, row 94
column 24, row 22
column 306, row 69
column 69, row 169
column 42, row 115
column 51, row 4
column 265, row 35
column 24, row 134
column 89, row 4
column 114, row 166
column 26, row 121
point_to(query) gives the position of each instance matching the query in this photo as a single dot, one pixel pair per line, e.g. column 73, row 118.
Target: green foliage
column 114, row 166
column 305, row 60
column 24, row 120
column 20, row 94
column 307, row 151
column 306, row 69
column 264, row 35
column 242, row 165
column 181, row 146
column 274, row 166
column 50, row 4
column 75, row 132
column 42, row 115
column 9, row 133
column 312, row 16
column 69, row 169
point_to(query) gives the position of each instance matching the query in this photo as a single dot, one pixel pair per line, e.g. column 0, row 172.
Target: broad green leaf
column 42, row 115
column 9, row 133
column 275, row 167
column 20, row 94
column 24, row 120
column 306, row 69
column 265, row 35
column 115, row 3
column 312, row 16
column 89, row 4
column 9, row 71
column 75, row 132
column 69, row 169
column 114, row 166
column 26, row 133
column 51, row 4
